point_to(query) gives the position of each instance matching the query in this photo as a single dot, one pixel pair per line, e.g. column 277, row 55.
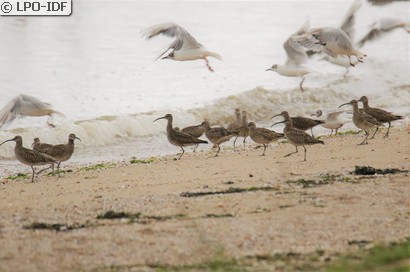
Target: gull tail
column 214, row 55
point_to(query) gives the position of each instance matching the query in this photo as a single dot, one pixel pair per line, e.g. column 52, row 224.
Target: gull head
column 273, row 68
column 318, row 113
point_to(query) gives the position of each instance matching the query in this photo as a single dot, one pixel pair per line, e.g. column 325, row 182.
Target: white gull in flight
column 25, row 105
column 296, row 57
column 331, row 41
column 184, row 47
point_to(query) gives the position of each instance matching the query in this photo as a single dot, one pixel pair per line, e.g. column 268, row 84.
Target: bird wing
column 8, row 114
column 186, row 139
column 296, row 52
column 317, row 39
column 371, row 35
column 348, row 23
column 379, row 27
column 22, row 105
column 379, row 2
column 334, row 115
column 183, row 38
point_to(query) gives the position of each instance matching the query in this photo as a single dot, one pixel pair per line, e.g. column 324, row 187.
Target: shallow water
column 95, row 67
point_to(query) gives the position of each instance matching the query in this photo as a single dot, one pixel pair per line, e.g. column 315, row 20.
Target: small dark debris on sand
column 231, row 190
column 368, row 170
column 56, row 227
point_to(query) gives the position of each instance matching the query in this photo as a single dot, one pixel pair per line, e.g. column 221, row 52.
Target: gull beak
column 278, row 123
column 344, row 104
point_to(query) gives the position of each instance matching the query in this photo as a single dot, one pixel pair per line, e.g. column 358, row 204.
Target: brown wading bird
column 30, row 157
column 263, row 136
column 24, row 105
column 363, row 120
column 179, row 138
column 243, row 129
column 379, row 114
column 60, row 152
column 38, row 145
column 236, row 125
column 295, row 136
column 195, row 131
column 302, row 123
column 218, row 135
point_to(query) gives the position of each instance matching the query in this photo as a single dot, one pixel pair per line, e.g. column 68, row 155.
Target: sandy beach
column 265, row 206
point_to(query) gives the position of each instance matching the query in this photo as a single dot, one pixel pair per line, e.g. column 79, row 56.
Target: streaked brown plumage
column 295, row 136
column 179, row 138
column 236, row 125
column 363, row 120
column 195, row 131
column 263, row 136
column 218, row 135
column 60, row 152
column 238, row 122
column 379, row 114
column 303, row 123
column 38, row 145
column 30, row 157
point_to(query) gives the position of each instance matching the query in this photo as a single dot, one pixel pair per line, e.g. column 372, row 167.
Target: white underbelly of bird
column 293, row 71
column 193, row 54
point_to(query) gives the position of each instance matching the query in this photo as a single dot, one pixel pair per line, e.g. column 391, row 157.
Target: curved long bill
column 163, row 117
column 278, row 123
column 344, row 104
column 77, row 138
column 280, row 114
column 7, row 141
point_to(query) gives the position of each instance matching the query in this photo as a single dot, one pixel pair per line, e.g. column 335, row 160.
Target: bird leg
column 195, row 147
column 387, row 133
column 350, row 61
column 365, row 140
column 331, row 131
column 235, row 142
column 264, row 149
column 244, row 141
column 377, row 128
column 50, row 121
column 219, row 148
column 183, row 151
column 346, row 73
column 32, row 176
column 305, row 152
column 207, row 65
column 292, row 152
column 311, row 131
column 300, row 85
